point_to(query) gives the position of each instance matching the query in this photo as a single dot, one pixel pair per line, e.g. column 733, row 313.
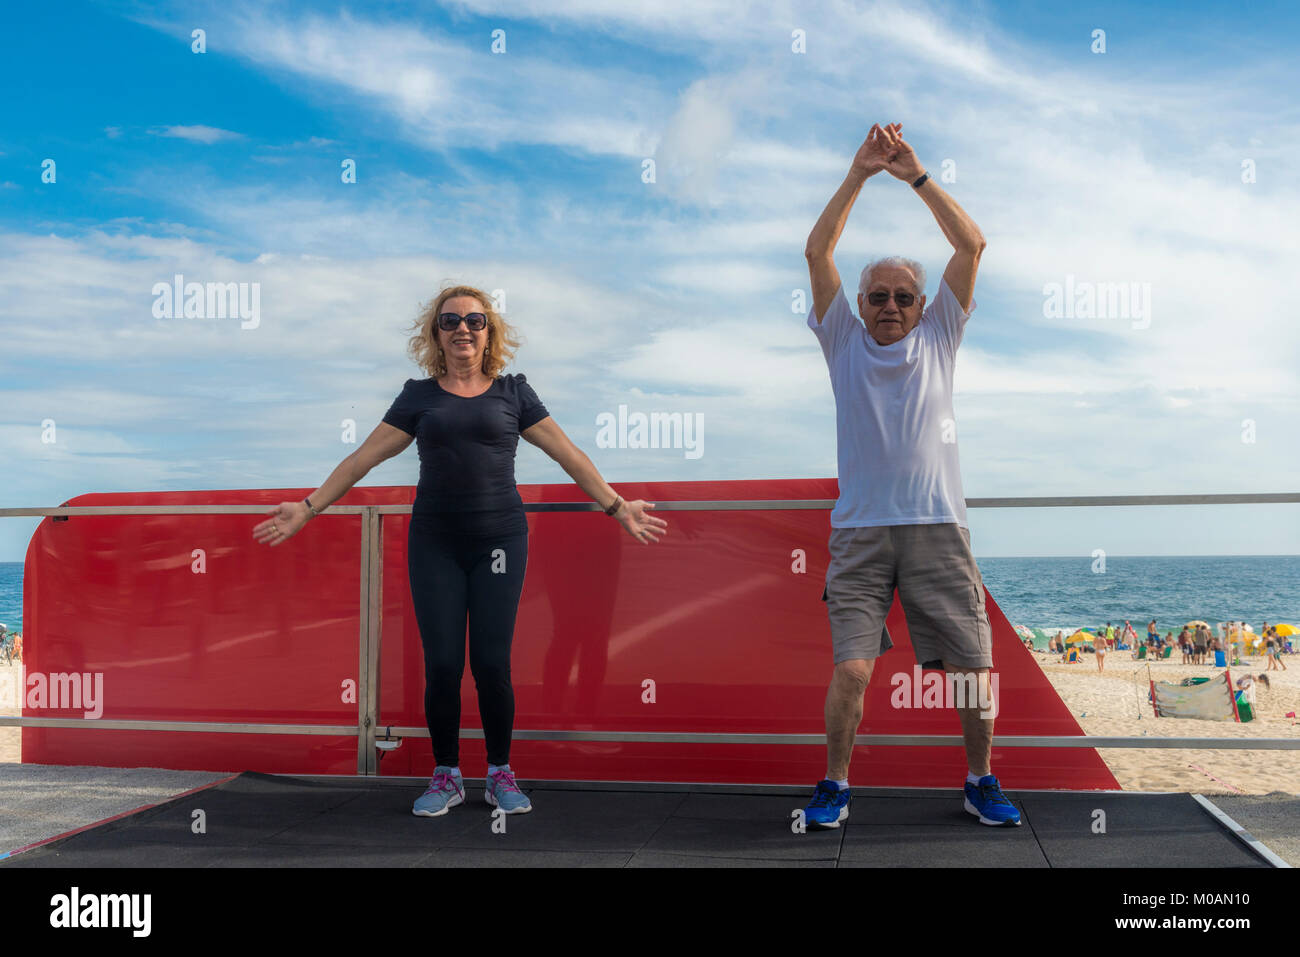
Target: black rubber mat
column 264, row 820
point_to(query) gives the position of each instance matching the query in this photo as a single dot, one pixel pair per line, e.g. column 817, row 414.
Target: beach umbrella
column 1286, row 630
column 1081, row 636
column 1024, row 631
column 1193, row 624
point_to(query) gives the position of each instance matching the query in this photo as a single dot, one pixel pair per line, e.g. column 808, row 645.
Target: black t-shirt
column 467, row 452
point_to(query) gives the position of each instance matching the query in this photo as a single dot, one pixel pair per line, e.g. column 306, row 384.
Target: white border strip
column 1239, row 832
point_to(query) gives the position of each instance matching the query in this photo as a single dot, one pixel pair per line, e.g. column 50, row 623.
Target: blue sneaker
column 987, row 802
column 829, row 806
column 446, row 790
column 503, row 792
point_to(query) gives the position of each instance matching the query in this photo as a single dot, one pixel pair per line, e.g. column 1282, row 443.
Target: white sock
column 842, row 785
column 972, row 777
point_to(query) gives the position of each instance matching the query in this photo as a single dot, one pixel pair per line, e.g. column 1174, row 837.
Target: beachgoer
column 1274, row 650
column 468, row 533
column 1151, row 629
column 901, row 515
column 1099, row 647
column 1246, row 685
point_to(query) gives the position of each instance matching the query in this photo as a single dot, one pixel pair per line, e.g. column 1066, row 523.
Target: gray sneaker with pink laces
column 503, row 792
column 446, row 790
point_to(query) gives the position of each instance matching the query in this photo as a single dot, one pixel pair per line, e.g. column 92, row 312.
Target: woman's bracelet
column 311, row 507
column 618, row 501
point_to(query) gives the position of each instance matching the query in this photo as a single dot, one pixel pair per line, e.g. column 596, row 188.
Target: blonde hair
column 426, row 350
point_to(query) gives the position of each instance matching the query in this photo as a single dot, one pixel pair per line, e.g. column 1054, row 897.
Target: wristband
column 919, row 182
column 618, row 500
column 311, row 507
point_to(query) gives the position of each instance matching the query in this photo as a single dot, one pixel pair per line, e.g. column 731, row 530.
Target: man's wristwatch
column 919, row 182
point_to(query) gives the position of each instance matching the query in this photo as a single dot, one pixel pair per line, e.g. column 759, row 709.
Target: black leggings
column 453, row 575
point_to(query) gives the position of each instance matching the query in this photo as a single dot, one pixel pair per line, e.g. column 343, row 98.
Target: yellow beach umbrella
column 1286, row 630
column 1193, row 624
column 1081, row 636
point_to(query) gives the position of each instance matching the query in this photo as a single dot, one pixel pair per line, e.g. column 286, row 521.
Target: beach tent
column 1038, row 636
column 1213, row 700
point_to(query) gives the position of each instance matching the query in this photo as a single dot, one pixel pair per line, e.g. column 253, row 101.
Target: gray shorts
column 938, row 583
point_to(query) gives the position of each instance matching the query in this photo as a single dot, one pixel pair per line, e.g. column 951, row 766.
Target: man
column 901, row 516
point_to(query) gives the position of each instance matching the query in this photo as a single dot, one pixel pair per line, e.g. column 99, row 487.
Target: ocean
column 1059, row 593
column 1064, row 593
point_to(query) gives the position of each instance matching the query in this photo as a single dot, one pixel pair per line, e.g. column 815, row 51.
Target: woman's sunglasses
column 904, row 299
column 475, row 321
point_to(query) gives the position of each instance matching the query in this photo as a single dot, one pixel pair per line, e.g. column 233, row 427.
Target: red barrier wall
column 723, row 615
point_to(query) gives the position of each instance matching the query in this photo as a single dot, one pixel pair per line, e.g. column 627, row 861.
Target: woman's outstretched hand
column 286, row 519
column 645, row 528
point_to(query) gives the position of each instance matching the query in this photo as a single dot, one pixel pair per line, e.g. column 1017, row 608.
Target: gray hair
column 917, row 270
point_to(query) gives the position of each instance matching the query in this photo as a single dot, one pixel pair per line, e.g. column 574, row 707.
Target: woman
column 1273, row 649
column 1099, row 646
column 468, row 538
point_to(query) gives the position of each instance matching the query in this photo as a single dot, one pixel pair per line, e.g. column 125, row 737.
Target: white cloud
column 197, row 134
column 677, row 294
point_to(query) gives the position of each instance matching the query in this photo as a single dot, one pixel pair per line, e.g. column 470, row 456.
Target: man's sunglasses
column 904, row 299
column 475, row 321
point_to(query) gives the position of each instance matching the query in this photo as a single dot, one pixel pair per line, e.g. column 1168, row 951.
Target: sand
column 10, row 706
column 1114, row 704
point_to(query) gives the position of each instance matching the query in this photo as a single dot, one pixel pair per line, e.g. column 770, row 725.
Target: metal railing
column 367, row 728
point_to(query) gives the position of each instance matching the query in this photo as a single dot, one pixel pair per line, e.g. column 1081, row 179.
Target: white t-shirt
column 893, row 413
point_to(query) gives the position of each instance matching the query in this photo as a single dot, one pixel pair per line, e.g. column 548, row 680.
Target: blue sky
column 521, row 171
